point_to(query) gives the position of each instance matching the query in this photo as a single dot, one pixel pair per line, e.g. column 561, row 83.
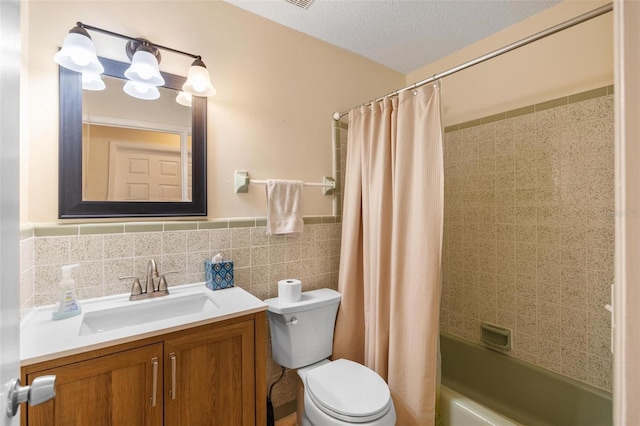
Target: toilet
column 339, row 392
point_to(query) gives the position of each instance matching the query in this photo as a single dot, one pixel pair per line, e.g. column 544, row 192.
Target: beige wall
column 573, row 61
column 277, row 89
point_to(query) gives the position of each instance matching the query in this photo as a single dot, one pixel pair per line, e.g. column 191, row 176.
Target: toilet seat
column 348, row 391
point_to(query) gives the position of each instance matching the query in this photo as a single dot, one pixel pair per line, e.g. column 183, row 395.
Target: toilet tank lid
column 308, row 300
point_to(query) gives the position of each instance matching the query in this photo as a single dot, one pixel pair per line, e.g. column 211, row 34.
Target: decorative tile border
column 63, row 230
column 565, row 100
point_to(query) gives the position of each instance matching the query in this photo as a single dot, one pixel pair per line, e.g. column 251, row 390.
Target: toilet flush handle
column 293, row 321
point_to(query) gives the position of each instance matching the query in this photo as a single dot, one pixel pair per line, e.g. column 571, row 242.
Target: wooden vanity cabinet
column 213, row 374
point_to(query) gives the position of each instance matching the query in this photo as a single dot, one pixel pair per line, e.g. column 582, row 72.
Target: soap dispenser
column 68, row 305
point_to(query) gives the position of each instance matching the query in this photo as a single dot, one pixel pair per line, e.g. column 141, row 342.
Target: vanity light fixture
column 144, row 64
column 147, row 92
column 184, row 98
column 198, row 81
column 92, row 82
column 78, row 53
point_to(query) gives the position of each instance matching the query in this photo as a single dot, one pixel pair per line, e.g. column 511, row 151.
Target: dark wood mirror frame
column 70, row 202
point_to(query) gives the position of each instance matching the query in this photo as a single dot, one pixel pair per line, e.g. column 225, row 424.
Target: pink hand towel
column 284, row 206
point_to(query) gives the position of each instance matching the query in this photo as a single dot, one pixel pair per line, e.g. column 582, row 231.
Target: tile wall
column 106, row 252
column 529, row 232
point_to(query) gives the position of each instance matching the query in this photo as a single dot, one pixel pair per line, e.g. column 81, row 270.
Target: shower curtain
column 391, row 247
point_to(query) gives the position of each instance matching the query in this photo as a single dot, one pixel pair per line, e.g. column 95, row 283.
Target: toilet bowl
column 343, row 392
column 339, row 392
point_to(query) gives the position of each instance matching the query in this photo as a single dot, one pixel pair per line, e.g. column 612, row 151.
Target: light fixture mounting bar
column 135, row 40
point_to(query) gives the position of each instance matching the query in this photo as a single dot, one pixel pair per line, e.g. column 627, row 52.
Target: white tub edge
column 458, row 410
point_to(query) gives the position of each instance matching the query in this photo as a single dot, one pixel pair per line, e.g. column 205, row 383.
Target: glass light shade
column 198, row 81
column 78, row 53
column 144, row 68
column 184, row 98
column 143, row 91
column 92, row 82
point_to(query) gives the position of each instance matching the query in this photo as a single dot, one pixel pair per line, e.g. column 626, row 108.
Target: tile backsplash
column 529, row 232
column 260, row 261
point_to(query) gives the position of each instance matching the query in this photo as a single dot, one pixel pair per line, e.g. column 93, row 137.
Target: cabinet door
column 209, row 376
column 115, row 389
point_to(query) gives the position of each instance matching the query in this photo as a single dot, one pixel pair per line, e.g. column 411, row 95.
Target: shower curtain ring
column 415, row 90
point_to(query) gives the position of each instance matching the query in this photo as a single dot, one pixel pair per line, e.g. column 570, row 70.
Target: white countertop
column 42, row 339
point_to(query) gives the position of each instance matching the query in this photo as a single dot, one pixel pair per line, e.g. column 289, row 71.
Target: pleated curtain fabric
column 390, row 265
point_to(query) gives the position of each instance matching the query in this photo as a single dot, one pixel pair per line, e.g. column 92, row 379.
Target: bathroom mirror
column 79, row 194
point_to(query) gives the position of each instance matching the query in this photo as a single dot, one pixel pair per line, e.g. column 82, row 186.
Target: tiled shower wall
column 106, row 252
column 529, row 232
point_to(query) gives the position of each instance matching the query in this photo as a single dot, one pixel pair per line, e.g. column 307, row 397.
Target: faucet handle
column 136, row 288
column 162, row 285
column 130, row 277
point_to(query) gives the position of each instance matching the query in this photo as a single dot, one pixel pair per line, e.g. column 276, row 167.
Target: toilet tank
column 302, row 332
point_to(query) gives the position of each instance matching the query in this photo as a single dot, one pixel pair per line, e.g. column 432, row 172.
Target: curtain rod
column 508, row 48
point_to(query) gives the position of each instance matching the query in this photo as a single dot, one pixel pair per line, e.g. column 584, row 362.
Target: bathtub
column 458, row 410
column 484, row 387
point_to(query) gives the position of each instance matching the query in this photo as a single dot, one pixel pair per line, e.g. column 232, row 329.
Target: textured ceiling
column 402, row 34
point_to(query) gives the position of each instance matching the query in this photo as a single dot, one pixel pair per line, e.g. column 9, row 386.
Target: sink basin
column 144, row 313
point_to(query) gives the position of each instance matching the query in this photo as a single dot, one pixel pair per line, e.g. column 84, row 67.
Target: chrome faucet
column 152, row 272
column 150, row 289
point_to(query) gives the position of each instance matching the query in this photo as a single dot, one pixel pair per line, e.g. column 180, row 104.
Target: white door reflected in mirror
column 135, row 150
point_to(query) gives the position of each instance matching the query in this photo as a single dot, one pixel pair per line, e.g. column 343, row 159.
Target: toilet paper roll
column 289, row 290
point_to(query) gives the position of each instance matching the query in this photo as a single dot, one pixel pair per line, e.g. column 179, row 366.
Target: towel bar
column 242, row 182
